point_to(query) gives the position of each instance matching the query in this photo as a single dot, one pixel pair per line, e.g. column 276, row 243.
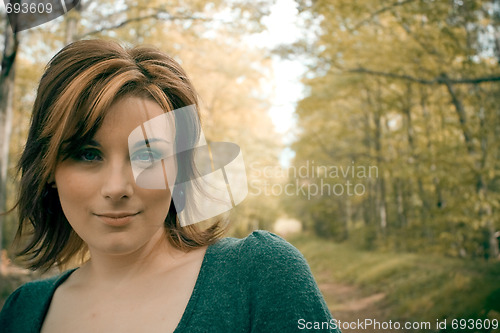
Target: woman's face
column 97, row 190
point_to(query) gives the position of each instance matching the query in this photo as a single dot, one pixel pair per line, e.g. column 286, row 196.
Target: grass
column 418, row 287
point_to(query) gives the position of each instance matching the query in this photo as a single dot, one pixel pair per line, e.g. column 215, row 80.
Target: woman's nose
column 118, row 181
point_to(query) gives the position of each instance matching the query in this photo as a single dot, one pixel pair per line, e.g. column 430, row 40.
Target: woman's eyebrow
column 147, row 142
column 93, row 142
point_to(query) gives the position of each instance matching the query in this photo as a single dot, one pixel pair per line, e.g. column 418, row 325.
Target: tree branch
column 158, row 15
column 119, row 25
column 462, row 117
column 442, row 79
column 380, row 11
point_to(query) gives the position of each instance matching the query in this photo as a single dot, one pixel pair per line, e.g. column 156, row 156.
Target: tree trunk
column 72, row 23
column 485, row 211
column 462, row 117
column 7, row 75
column 381, row 202
column 400, row 202
column 427, row 211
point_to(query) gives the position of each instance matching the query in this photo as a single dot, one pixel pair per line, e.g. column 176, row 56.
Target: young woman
column 140, row 271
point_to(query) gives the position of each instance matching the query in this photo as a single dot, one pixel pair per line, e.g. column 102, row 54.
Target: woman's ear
column 52, row 182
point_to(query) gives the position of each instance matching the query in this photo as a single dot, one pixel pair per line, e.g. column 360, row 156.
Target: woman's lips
column 117, row 219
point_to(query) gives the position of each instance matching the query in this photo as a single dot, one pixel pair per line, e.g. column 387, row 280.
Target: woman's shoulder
column 34, row 289
column 262, row 244
column 260, row 265
column 276, row 280
column 29, row 300
column 261, row 254
column 262, row 241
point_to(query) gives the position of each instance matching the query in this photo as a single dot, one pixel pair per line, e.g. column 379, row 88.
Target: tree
column 7, row 75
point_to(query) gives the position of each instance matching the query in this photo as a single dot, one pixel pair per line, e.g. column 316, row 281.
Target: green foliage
column 392, row 86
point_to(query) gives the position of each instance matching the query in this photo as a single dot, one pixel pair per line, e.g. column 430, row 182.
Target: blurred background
column 370, row 132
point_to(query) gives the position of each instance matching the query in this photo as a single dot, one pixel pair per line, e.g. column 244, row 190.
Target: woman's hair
column 79, row 85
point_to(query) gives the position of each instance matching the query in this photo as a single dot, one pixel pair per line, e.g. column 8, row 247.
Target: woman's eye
column 89, row 155
column 146, row 157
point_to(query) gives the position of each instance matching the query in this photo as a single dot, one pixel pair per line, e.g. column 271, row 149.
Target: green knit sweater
column 257, row 284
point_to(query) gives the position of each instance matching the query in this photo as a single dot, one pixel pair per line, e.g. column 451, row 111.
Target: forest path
column 348, row 304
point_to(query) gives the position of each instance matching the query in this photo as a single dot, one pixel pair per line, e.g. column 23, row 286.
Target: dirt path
column 348, row 304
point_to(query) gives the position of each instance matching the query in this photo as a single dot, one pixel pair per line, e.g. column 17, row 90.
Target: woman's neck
column 155, row 257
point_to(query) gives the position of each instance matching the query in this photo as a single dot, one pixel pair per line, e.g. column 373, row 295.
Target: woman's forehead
column 139, row 109
column 129, row 113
